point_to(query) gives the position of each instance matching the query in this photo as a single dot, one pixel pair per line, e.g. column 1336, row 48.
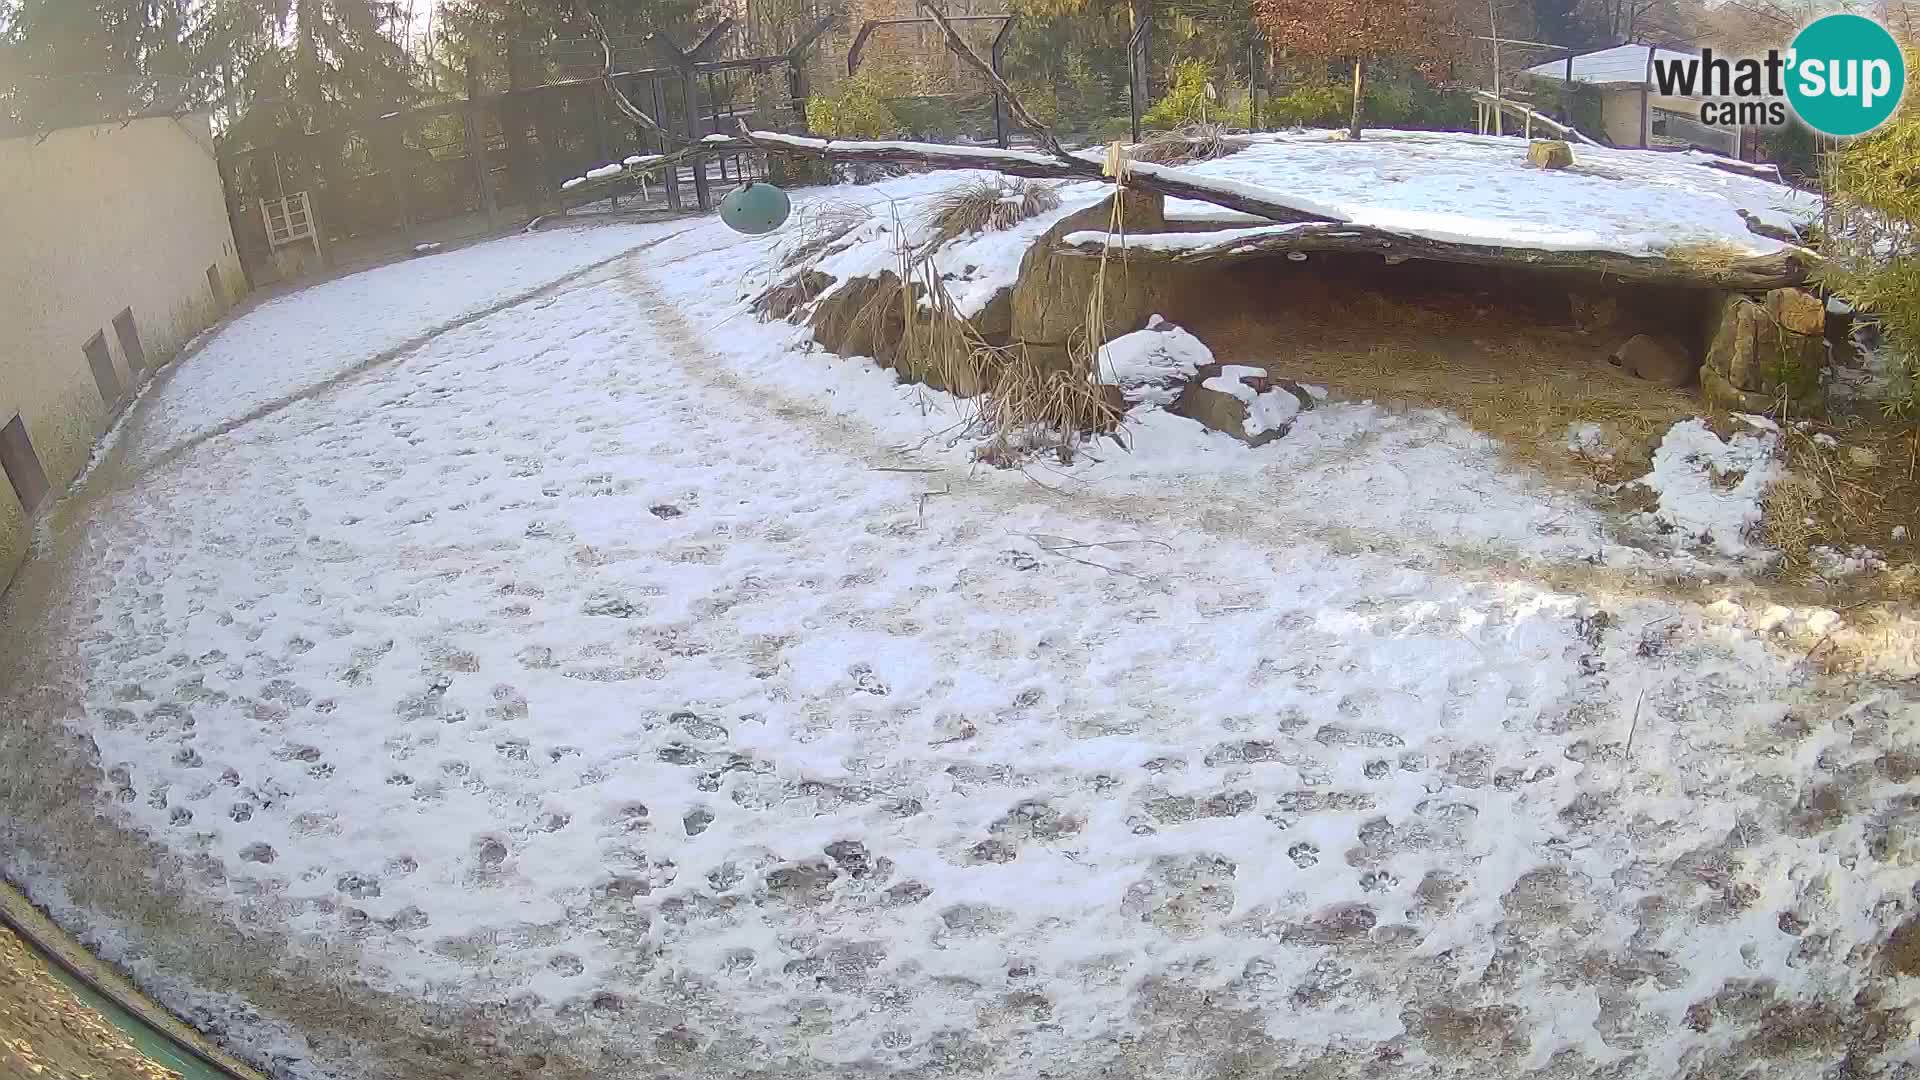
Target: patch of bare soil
column 1854, row 481
column 1902, row 952
column 49, row 1033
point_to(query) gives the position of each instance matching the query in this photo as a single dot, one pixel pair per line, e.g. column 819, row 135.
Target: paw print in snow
column 1019, row 560
column 1377, row 881
column 865, row 681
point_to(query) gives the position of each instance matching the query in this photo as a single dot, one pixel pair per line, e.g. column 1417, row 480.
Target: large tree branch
column 627, row 108
column 1788, row 266
column 1234, row 195
column 1246, row 198
column 972, row 59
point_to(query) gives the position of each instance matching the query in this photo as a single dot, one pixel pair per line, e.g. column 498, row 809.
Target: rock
column 1798, row 311
column 1153, row 365
column 1863, row 457
column 1242, row 402
column 1718, row 391
column 857, row 319
column 1735, row 339
column 865, row 317
column 1549, row 154
column 1659, row 360
column 792, row 294
column 1050, row 297
column 1755, row 349
column 994, row 322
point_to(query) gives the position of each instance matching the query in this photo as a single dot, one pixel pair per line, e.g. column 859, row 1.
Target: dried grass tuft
column 1852, row 493
column 1014, row 400
column 987, row 205
column 822, row 225
column 1709, row 256
column 790, row 296
column 1195, row 142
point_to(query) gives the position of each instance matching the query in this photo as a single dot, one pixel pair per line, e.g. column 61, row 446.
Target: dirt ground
column 1502, row 351
column 47, row 1032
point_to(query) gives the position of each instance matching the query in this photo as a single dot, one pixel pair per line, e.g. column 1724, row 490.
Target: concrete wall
column 1620, row 116
column 94, row 220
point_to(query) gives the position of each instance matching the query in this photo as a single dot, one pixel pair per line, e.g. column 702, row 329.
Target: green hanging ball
column 755, row 209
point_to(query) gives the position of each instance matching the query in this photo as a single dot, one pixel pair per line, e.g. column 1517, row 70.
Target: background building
column 1632, row 110
column 115, row 249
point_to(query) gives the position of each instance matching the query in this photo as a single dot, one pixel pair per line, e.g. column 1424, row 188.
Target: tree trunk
column 1359, row 88
column 1167, row 180
column 1788, row 266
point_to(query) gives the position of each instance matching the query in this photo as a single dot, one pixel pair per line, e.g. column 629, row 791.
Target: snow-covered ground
column 298, row 341
column 617, row 658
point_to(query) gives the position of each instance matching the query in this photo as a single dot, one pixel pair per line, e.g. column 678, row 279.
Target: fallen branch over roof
column 1788, row 266
column 1232, row 194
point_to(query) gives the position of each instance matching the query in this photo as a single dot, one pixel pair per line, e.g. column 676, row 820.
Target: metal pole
column 713, row 101
column 1493, row 28
column 1136, row 73
column 797, row 90
column 1646, row 129
column 1253, row 81
column 1566, row 93
column 999, row 57
column 1133, row 97
column 673, row 172
column 690, row 88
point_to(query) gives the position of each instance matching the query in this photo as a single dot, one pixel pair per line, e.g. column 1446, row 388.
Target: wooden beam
column 1788, row 266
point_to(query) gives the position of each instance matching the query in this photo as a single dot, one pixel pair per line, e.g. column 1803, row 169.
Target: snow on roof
column 1478, row 189
column 1442, row 185
column 1620, row 64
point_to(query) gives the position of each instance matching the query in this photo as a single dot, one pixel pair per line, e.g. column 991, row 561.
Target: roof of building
column 1621, row 64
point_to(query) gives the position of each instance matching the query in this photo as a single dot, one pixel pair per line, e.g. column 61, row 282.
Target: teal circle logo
column 1846, row 75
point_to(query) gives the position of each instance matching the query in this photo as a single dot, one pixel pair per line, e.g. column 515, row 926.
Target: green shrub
column 935, row 119
column 1324, row 104
column 1040, row 100
column 1792, row 147
column 1111, row 129
column 1872, row 248
column 855, row 110
column 1391, row 101
column 1186, row 100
